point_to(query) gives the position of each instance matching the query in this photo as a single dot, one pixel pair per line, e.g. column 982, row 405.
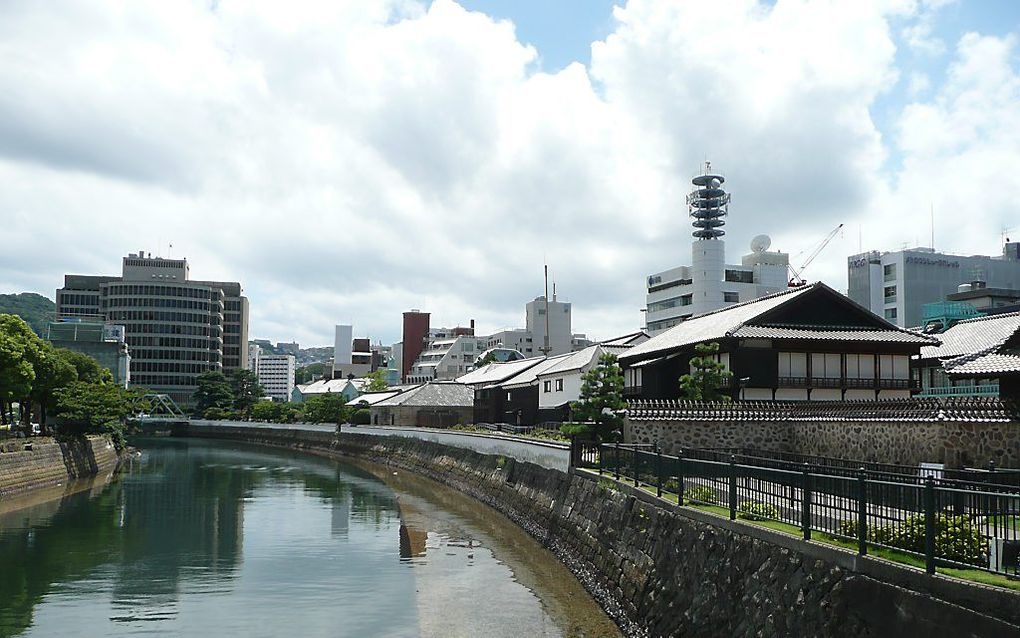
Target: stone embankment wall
column 957, row 444
column 660, row 570
column 49, row 463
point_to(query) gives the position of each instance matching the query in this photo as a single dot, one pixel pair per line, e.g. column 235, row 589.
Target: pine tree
column 601, row 401
column 707, row 377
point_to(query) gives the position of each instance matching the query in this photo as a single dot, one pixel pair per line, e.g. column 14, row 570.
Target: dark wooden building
column 806, row 343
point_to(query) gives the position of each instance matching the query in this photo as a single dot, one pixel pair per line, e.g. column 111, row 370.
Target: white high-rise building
column 709, row 283
column 558, row 322
column 274, row 371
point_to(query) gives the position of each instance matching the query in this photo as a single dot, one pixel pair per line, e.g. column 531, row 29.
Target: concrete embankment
column 660, row 570
column 49, row 462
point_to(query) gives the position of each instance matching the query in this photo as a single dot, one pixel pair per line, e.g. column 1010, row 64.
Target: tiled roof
column 438, row 394
column 971, row 336
column 985, row 364
column 631, row 339
column 836, row 334
column 713, row 325
column 372, row 398
column 497, row 372
column 907, row 410
column 530, row 375
column 574, row 361
column 726, row 322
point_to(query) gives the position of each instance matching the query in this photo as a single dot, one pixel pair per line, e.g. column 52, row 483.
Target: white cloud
column 348, row 161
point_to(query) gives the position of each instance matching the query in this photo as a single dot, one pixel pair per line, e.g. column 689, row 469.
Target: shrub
column 214, row 414
column 606, row 486
column 755, row 511
column 671, row 485
column 701, row 494
column 956, row 537
column 361, row 416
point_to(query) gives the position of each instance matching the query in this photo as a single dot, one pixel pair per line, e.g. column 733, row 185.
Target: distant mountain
column 35, row 309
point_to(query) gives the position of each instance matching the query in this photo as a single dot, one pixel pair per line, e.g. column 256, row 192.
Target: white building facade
column 274, row 371
column 709, row 283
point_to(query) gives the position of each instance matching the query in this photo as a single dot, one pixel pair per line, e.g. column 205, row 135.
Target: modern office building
column 103, row 342
column 709, row 283
column 176, row 327
column 558, row 323
column 415, row 333
column 446, row 359
column 275, row 372
column 896, row 285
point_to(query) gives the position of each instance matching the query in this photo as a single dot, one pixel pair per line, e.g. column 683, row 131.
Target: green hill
column 35, row 309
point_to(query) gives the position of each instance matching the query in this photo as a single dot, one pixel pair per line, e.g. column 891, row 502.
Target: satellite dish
column 716, row 183
column 760, row 243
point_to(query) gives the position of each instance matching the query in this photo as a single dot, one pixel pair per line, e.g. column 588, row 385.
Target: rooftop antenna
column 932, row 205
column 545, row 349
column 708, row 204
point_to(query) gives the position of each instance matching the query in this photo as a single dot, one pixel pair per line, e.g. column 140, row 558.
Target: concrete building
column 446, row 359
column 351, row 357
column 709, row 283
column 102, row 341
column 558, row 322
column 519, row 339
column 275, row 372
column 896, row 285
column 176, row 327
column 415, row 333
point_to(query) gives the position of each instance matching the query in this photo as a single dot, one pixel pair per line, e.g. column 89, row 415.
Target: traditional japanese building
column 977, row 357
column 805, row 343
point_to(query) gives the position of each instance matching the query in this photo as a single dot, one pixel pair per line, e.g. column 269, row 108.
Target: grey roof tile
column 778, row 332
column 970, row 336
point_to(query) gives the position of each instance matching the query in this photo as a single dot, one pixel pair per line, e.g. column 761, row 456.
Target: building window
column 792, row 364
column 889, row 272
column 890, row 294
column 730, row 297
column 890, row 314
column 740, row 276
column 559, row 385
column 547, row 386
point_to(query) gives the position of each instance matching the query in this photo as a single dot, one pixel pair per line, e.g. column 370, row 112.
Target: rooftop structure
column 103, row 342
column 709, row 283
column 976, row 357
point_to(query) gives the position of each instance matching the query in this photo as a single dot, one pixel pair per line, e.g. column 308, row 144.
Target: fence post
column 929, row 525
column 658, row 471
column 617, row 463
column 733, row 487
column 680, row 477
column 805, row 503
column 598, row 450
column 862, row 512
column 634, row 452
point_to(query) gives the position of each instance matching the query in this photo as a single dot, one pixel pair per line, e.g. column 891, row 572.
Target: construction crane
column 797, row 280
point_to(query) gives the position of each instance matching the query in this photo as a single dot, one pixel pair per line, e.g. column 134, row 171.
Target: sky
column 348, row 161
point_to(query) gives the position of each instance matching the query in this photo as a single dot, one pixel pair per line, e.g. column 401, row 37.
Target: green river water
column 200, row 538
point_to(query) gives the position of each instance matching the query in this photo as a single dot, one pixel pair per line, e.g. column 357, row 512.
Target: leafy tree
column 53, row 371
column 327, row 408
column 265, row 411
column 247, row 391
column 601, row 401
column 91, row 408
column 707, row 376
column 214, row 391
column 17, row 348
column 377, row 381
column 88, row 368
column 309, row 373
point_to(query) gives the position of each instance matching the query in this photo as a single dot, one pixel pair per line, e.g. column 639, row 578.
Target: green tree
column 246, row 389
column 601, row 401
column 214, row 391
column 490, row 357
column 53, row 371
column 309, row 373
column 265, row 411
column 91, row 408
column 327, row 408
column 17, row 348
column 707, row 378
column 36, row 310
column 88, row 368
column 377, row 381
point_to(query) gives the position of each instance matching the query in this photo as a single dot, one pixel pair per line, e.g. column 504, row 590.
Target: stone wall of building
column 50, row 463
column 956, row 444
column 661, row 570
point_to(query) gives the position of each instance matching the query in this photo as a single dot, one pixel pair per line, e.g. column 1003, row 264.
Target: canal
column 206, row 538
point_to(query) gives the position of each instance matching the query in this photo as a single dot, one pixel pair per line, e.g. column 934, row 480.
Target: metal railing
column 984, row 390
column 938, row 522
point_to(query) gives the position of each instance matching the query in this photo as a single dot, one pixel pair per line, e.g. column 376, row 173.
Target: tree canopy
column 708, row 378
column 600, row 403
column 376, row 381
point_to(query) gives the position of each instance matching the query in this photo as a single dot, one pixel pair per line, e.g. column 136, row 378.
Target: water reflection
column 200, row 538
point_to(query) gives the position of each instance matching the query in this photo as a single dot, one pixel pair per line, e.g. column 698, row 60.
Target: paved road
column 548, row 455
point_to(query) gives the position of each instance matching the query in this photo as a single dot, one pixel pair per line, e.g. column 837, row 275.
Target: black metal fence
column 937, row 521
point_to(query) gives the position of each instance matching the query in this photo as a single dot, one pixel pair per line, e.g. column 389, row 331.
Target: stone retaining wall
column 49, row 463
column 660, row 570
column 957, row 444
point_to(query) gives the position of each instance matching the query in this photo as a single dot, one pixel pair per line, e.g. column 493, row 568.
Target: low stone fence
column 50, row 463
column 661, row 570
column 956, row 433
